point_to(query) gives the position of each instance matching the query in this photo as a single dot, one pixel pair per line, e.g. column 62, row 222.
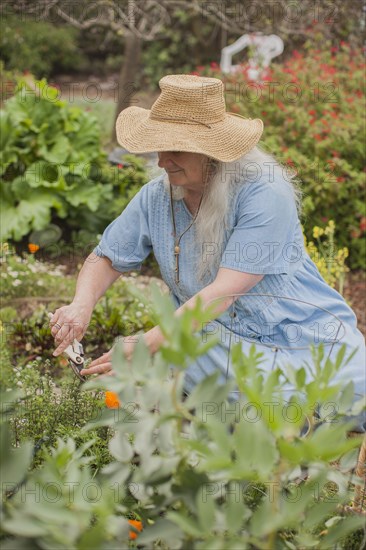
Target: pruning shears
column 75, row 355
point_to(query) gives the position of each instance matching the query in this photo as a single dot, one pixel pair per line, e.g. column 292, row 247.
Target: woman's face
column 186, row 170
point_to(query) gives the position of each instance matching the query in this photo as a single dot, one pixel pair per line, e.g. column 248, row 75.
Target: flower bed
column 312, row 107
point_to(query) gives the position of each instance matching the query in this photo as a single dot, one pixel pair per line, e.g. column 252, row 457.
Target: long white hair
column 221, row 186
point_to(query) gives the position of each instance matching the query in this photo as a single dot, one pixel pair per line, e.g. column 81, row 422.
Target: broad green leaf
column 59, row 152
column 163, row 529
column 89, row 194
column 24, row 526
column 255, row 436
column 187, row 524
column 120, row 447
column 206, row 510
column 14, row 462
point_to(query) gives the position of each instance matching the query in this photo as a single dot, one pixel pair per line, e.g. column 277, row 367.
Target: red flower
column 333, row 49
column 318, row 137
column 281, row 105
column 312, row 112
column 363, row 223
column 355, row 233
column 335, row 154
column 120, row 165
column 341, row 179
column 214, row 65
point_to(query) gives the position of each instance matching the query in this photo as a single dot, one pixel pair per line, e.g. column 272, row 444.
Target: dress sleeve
column 126, row 241
column 263, row 238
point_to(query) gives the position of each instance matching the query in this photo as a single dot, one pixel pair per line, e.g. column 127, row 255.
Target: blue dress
column 290, row 308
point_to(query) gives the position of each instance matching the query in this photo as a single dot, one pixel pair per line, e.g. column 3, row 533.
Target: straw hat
column 189, row 115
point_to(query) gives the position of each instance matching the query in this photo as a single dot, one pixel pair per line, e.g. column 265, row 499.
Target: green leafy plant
column 205, row 471
column 52, row 408
column 53, row 168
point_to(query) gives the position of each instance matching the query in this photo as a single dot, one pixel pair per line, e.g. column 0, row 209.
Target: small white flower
column 19, row 383
column 140, row 304
column 40, row 283
column 4, row 275
column 138, row 314
column 17, row 282
column 13, row 273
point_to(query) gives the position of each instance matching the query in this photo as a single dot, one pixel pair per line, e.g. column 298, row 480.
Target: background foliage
column 53, row 168
column 316, row 99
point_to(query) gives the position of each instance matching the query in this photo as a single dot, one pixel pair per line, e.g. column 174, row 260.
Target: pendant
column 176, row 253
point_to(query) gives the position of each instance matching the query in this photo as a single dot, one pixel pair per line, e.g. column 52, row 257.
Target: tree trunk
column 127, row 84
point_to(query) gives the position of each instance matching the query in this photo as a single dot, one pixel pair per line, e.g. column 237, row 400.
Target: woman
column 222, row 221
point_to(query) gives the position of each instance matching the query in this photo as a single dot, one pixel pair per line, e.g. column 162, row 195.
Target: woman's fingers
column 98, row 369
column 64, row 344
column 68, row 322
column 102, row 359
column 101, row 365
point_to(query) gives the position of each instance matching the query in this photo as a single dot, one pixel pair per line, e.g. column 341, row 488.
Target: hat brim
column 226, row 140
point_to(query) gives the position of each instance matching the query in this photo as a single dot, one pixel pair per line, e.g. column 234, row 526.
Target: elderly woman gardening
column 221, row 221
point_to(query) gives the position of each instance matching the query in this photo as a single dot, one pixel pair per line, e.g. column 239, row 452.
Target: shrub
column 39, row 47
column 312, row 108
column 53, row 168
column 198, row 472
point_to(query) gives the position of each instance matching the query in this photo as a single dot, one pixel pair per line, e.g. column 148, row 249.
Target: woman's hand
column 103, row 365
column 69, row 322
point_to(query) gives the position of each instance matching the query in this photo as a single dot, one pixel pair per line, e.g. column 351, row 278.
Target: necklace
column 176, row 237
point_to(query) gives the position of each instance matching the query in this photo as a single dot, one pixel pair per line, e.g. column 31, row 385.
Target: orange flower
column 33, row 248
column 111, row 400
column 138, row 525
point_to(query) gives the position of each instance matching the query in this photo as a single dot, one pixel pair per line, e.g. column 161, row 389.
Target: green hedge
column 39, row 47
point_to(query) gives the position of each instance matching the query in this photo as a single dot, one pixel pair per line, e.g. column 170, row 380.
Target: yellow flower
column 317, row 232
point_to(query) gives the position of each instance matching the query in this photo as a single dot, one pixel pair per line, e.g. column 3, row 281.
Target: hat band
column 185, row 120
